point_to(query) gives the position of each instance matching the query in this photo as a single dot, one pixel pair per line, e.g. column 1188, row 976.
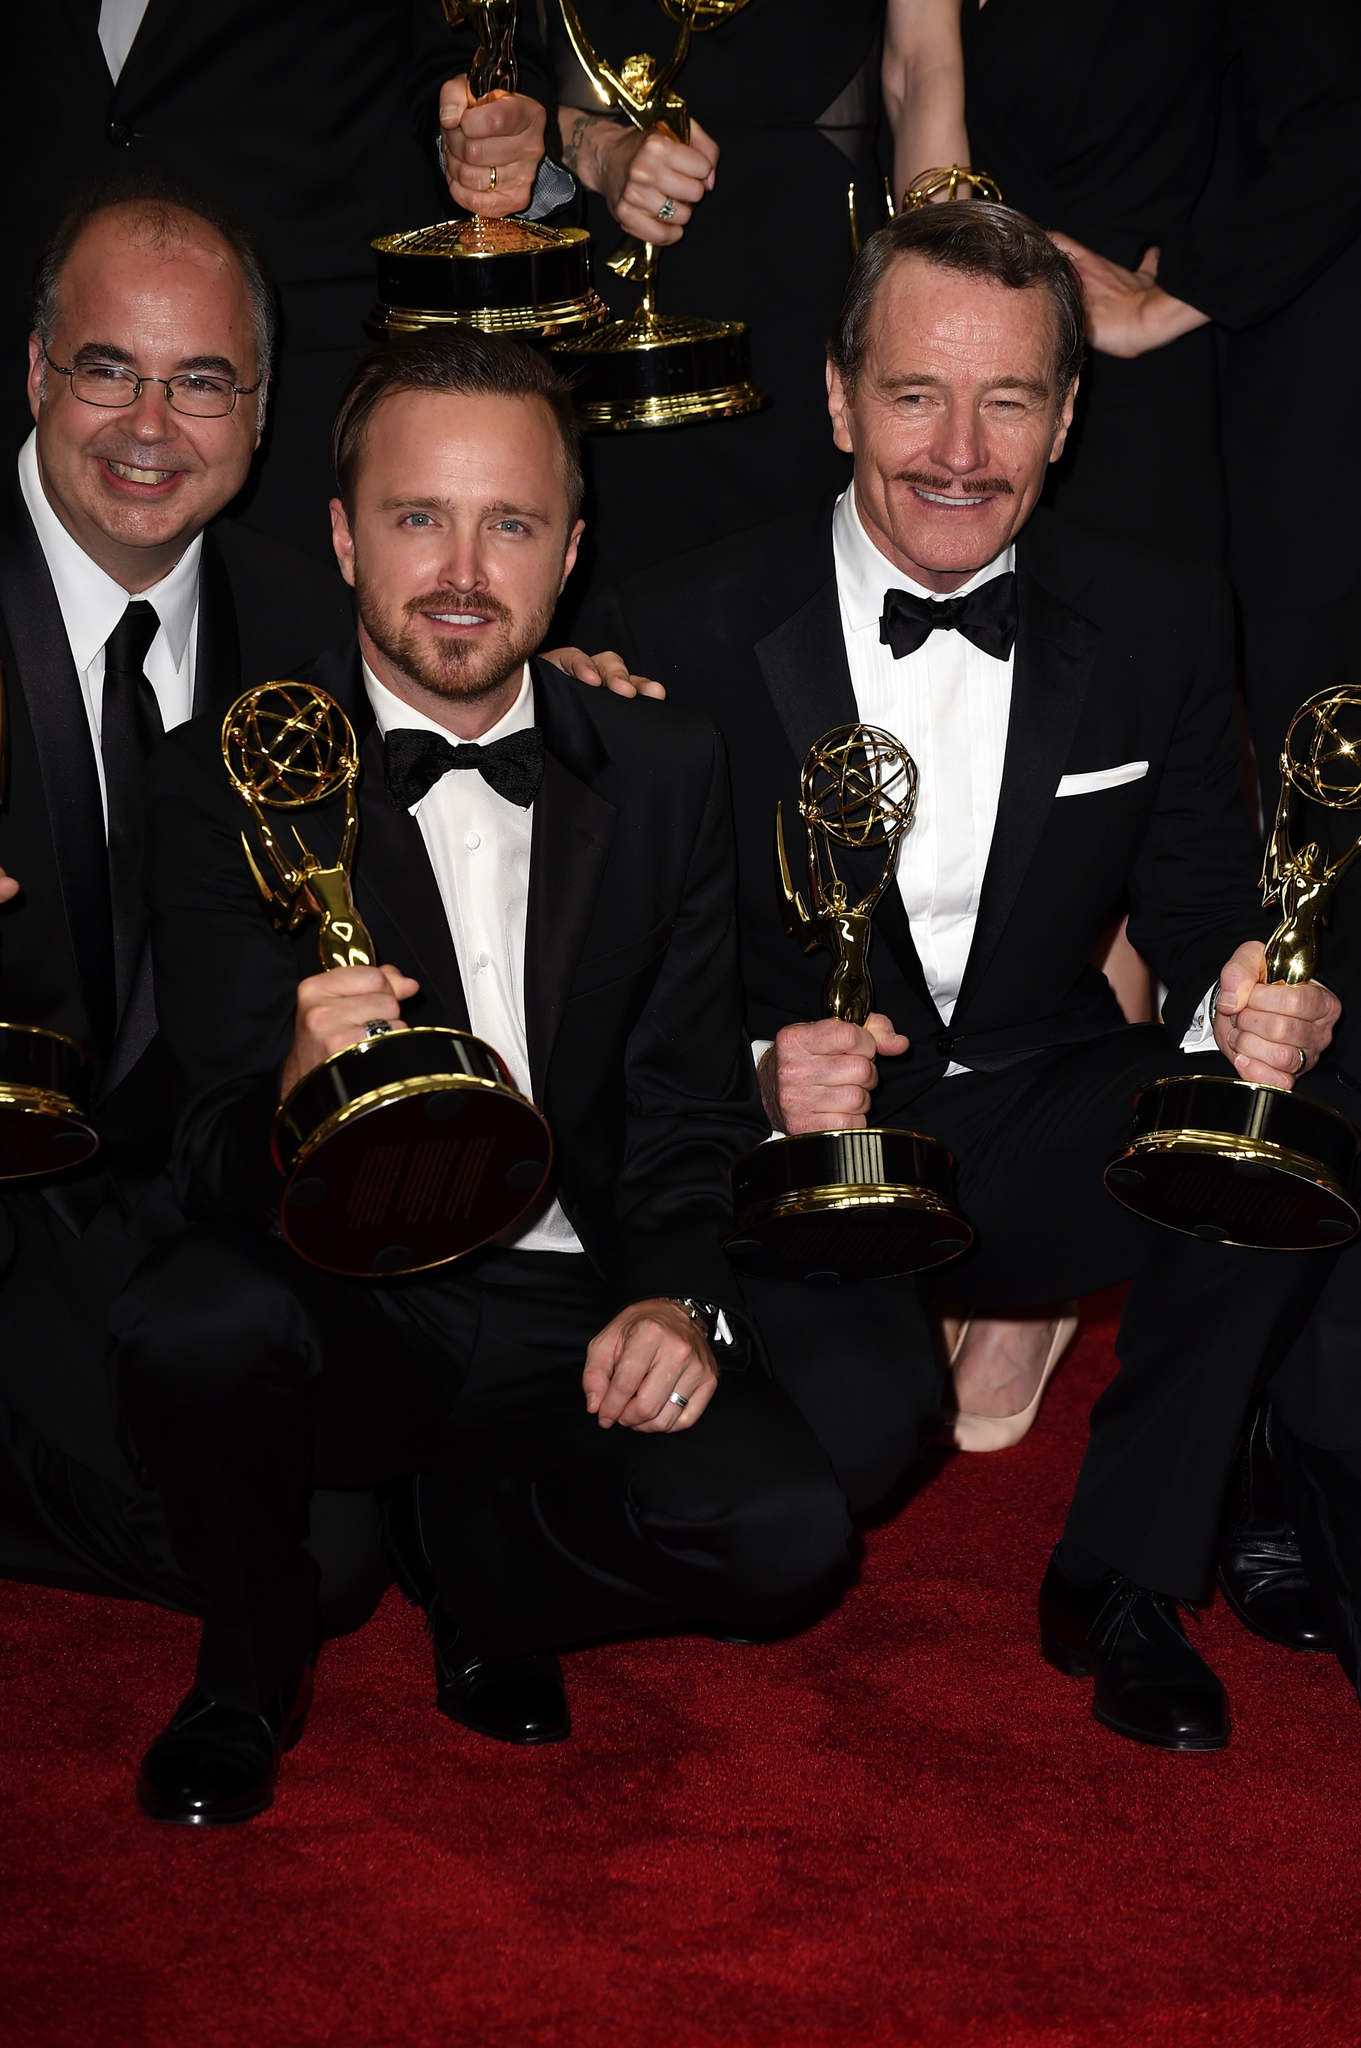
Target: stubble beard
column 457, row 670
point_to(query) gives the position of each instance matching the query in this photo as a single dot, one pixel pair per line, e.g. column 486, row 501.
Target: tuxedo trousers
column 1204, row 1325
column 248, row 1378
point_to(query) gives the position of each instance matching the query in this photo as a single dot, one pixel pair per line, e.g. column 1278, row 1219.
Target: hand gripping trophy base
column 829, row 1206
column 406, row 1150
column 1221, row 1158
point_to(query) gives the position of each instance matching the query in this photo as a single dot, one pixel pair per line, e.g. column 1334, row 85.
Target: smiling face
column 458, row 541
column 134, row 485
column 953, row 419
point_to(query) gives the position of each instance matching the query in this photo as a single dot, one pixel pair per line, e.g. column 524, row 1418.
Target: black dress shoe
column 216, row 1765
column 1261, row 1568
column 1150, row 1684
column 511, row 1699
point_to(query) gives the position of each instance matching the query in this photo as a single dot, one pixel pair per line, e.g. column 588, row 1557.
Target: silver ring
column 667, row 210
column 679, row 1400
column 379, row 1028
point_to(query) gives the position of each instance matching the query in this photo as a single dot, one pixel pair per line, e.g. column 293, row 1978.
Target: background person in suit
column 316, row 123
column 569, row 896
column 1069, row 702
column 122, row 610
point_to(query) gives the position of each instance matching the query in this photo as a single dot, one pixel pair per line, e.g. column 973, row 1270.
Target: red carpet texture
column 899, row 1827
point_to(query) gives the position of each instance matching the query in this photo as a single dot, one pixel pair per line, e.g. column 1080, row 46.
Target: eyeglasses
column 193, row 392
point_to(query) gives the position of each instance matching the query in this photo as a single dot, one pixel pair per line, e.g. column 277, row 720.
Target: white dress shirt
column 479, row 847
column 92, row 604
column 119, row 21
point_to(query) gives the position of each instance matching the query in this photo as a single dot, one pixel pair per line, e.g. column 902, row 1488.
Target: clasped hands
column 820, row 1077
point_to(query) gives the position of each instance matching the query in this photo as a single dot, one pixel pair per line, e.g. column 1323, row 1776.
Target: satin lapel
column 217, row 654
column 82, row 17
column 1055, row 651
column 570, row 844
column 392, row 868
column 61, row 731
column 809, row 681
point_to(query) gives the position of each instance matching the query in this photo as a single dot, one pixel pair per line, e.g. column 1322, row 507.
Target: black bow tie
column 416, row 761
column 987, row 616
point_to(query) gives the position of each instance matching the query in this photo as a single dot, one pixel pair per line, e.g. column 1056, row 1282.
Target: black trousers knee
column 248, row 1378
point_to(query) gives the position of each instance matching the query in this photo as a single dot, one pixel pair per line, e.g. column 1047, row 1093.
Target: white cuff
column 759, row 1048
column 1200, row 1032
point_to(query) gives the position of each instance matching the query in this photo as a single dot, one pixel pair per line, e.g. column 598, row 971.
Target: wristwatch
column 707, row 1315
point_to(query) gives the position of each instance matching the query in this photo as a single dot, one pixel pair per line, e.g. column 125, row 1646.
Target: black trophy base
column 659, row 370
column 1235, row 1164
column 833, row 1206
column 404, row 1152
column 44, row 1083
column 498, row 276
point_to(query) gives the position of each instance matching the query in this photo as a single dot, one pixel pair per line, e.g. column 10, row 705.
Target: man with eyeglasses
column 122, row 612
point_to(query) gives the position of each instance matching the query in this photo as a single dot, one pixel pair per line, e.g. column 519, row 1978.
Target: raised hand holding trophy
column 501, row 276
column 1221, row 1158
column 654, row 369
column 828, row 1206
column 412, row 1147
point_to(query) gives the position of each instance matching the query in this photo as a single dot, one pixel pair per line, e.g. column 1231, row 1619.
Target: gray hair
column 981, row 240
column 169, row 216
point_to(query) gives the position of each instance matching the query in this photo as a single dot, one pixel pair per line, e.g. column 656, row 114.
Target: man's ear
column 36, row 371
column 838, row 406
column 569, row 560
column 342, row 540
column 1065, row 420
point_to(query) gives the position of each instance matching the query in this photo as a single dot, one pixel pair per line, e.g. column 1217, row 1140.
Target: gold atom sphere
column 859, row 786
column 289, row 744
column 1323, row 748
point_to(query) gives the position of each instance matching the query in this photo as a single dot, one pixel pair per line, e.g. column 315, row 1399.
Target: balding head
column 150, row 286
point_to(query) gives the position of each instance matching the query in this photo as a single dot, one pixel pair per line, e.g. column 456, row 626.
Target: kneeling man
column 598, row 1448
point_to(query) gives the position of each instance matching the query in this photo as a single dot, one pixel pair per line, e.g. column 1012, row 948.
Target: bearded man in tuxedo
column 1069, row 704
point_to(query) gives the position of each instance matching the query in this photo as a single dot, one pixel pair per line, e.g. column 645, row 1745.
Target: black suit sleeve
column 691, row 1095
column 1298, row 206
column 1191, row 893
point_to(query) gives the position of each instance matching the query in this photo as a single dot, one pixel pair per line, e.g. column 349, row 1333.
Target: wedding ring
column 1304, row 1059
column 491, row 186
column 379, row 1028
column 667, row 210
column 679, row 1400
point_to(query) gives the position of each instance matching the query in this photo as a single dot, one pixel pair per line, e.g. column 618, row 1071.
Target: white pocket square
column 1101, row 778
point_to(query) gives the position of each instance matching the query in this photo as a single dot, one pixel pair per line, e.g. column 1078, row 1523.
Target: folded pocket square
column 1101, row 778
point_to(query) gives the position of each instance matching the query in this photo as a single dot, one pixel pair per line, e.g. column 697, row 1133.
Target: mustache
column 969, row 486
column 450, row 601
column 139, row 456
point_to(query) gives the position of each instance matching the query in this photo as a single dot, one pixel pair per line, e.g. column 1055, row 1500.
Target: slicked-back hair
column 460, row 365
column 980, row 240
column 166, row 215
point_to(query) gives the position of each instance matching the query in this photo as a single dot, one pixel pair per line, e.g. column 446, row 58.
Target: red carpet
column 901, row 1827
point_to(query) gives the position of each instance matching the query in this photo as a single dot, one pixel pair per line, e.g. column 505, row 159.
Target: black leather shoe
column 1150, row 1684
column 1261, row 1569
column 216, row 1765
column 511, row 1699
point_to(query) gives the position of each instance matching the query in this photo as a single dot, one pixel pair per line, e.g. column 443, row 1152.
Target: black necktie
column 416, row 761
column 987, row 616
column 129, row 727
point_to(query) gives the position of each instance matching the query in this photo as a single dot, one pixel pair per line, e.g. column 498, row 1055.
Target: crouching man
column 596, row 1448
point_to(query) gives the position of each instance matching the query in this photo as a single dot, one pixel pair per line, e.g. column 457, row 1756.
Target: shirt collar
column 392, row 713
column 863, row 574
column 91, row 602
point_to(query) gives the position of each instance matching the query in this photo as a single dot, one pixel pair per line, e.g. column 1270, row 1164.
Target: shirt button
column 483, row 960
column 120, row 135
column 472, row 841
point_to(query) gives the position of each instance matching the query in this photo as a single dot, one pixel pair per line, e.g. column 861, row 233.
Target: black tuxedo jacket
column 633, row 1006
column 260, row 607
column 1121, row 657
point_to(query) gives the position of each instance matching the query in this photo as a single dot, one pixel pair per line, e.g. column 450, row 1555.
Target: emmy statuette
column 44, row 1079
column 1218, row 1157
column 654, row 369
column 412, row 1147
column 845, row 1205
column 501, row 276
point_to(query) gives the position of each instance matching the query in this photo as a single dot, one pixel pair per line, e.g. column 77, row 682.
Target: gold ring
column 1304, row 1059
column 492, row 186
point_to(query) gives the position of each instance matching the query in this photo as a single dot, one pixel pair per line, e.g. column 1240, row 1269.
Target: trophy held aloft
column 413, row 1147
column 1218, row 1157
column 499, row 276
column 654, row 369
column 828, row 1206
